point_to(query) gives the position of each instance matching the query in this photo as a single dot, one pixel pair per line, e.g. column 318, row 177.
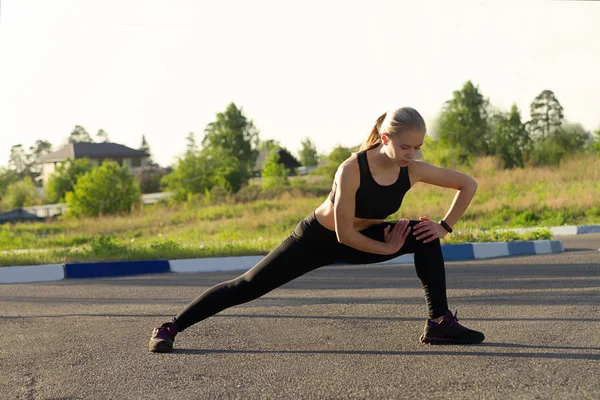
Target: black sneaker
column 449, row 331
column 162, row 338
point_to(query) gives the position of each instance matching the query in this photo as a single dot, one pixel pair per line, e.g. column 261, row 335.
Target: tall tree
column 190, row 145
column 37, row 151
column 19, row 161
column 102, row 135
column 235, row 134
column 79, row 135
column 145, row 146
column 510, row 141
column 464, row 121
column 308, row 154
column 546, row 115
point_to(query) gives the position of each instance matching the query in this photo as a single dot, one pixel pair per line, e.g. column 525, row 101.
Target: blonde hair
column 394, row 122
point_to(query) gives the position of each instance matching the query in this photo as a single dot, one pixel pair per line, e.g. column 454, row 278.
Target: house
column 97, row 154
column 288, row 160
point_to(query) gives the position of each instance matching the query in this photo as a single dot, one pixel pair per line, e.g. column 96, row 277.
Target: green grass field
column 533, row 197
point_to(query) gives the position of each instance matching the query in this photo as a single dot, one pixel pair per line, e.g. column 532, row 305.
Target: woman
column 349, row 227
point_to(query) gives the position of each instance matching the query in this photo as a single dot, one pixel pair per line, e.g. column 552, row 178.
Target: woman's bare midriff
column 325, row 216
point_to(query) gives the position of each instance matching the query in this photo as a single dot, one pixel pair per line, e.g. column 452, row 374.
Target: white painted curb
column 403, row 259
column 489, row 250
column 214, row 264
column 542, row 246
column 564, row 230
column 32, row 273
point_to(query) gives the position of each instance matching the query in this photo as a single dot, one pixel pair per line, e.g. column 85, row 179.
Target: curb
column 558, row 230
column 57, row 272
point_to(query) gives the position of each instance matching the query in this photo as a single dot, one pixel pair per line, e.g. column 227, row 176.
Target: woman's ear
column 384, row 139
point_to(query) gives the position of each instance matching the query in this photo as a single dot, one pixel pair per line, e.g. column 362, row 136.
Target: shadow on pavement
column 433, row 352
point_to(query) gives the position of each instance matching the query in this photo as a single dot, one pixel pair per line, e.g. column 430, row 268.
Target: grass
column 532, row 197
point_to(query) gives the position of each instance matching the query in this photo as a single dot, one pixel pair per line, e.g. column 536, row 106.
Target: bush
column 106, row 190
column 20, row 194
column 274, row 174
column 65, row 177
column 150, row 177
column 436, row 153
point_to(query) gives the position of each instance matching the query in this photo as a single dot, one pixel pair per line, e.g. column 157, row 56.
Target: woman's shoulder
column 417, row 169
column 349, row 168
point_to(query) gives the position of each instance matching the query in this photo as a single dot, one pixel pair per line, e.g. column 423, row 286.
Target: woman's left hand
column 428, row 229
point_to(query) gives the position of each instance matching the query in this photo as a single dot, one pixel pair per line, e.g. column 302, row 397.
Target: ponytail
column 374, row 137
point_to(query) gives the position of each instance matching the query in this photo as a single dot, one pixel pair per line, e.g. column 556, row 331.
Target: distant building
column 285, row 158
column 96, row 152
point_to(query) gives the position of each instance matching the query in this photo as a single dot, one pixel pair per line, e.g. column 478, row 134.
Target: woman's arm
column 348, row 180
column 448, row 178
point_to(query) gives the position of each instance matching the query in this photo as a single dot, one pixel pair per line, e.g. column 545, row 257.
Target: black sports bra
column 374, row 201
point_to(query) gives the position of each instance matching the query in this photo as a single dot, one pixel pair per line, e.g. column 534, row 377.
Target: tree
column 106, row 190
column 64, row 178
column 103, row 136
column 274, row 174
column 37, row 151
column 596, row 147
column 308, row 154
column 268, row 145
column 546, row 115
column 333, row 161
column 445, row 155
column 79, row 135
column 201, row 171
column 235, row 135
column 191, row 146
column 28, row 164
column 150, row 178
column 510, row 141
column 7, row 177
column 19, row 161
column 145, row 147
column 562, row 142
column 464, row 121
column 20, row 194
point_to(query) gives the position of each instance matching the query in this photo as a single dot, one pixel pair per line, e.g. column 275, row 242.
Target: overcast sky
column 319, row 69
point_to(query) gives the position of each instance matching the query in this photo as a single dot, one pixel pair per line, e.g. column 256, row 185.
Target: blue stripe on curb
column 457, row 252
column 588, row 229
column 556, row 246
column 121, row 268
column 518, row 248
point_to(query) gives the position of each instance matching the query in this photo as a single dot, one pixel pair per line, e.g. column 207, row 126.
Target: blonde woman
column 350, row 227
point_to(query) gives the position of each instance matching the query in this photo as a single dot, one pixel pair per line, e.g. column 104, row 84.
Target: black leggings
column 309, row 247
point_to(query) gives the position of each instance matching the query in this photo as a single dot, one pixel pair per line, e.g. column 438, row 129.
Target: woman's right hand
column 396, row 237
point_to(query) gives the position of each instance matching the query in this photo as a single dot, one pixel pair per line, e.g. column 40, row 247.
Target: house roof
column 92, row 150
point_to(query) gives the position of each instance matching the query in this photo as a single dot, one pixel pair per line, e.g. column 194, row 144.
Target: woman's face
column 403, row 147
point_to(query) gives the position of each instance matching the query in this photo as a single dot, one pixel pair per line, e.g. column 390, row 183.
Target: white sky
column 322, row 69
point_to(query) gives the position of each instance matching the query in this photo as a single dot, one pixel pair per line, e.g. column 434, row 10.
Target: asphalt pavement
column 338, row 332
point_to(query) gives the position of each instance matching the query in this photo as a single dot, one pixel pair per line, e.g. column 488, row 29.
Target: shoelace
column 164, row 333
column 454, row 320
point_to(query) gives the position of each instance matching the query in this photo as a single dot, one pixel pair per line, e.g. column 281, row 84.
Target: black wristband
column 446, row 226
